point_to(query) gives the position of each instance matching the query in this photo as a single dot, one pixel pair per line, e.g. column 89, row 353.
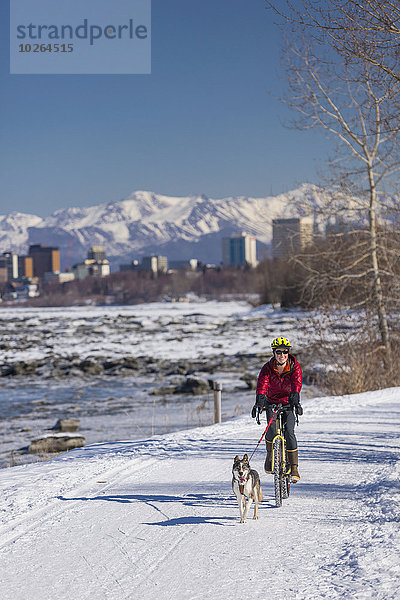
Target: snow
column 157, row 518
column 160, row 329
column 14, row 230
column 137, row 330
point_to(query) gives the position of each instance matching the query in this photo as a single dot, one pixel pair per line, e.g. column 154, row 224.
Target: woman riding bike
column 279, row 382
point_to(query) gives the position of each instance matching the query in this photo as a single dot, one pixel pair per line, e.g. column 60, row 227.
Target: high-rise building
column 91, row 268
column 46, row 259
column 25, row 266
column 96, row 264
column 155, row 264
column 12, row 264
column 291, row 235
column 96, row 253
column 239, row 249
column 3, row 270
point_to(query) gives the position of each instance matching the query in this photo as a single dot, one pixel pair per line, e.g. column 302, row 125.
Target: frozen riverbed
column 160, row 330
column 111, row 366
column 108, row 409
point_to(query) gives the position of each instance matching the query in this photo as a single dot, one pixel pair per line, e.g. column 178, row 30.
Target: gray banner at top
column 80, row 37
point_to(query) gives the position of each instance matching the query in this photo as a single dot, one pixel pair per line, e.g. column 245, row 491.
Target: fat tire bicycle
column 281, row 467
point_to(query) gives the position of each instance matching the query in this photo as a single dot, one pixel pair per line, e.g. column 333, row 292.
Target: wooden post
column 217, row 387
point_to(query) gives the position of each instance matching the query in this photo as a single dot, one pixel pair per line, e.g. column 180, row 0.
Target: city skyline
column 146, row 223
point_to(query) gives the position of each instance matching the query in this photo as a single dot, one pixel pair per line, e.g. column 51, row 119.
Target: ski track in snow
column 157, row 518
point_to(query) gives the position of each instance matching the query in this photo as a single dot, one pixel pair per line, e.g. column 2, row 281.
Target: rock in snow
column 56, row 443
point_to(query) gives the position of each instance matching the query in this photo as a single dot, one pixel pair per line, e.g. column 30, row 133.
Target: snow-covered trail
column 157, row 518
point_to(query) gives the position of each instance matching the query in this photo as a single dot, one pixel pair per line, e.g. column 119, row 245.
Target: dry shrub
column 361, row 369
column 350, row 354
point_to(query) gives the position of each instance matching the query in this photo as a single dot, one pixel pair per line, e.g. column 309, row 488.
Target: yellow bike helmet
column 280, row 342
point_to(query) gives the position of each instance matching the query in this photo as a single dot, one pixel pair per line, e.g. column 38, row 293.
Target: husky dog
column 246, row 486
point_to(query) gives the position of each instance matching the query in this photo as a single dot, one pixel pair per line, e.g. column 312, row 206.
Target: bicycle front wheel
column 278, row 472
column 286, row 477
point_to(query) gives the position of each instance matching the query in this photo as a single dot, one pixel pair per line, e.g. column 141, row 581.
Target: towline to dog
column 264, row 432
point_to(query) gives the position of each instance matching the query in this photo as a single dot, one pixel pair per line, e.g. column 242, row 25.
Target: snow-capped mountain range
column 146, row 223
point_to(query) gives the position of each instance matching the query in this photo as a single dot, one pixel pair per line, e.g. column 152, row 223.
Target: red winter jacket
column 278, row 387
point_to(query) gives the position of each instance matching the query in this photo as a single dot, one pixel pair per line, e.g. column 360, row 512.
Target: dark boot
column 293, row 456
column 268, row 460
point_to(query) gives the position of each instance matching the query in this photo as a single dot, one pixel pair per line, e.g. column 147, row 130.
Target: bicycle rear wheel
column 278, row 472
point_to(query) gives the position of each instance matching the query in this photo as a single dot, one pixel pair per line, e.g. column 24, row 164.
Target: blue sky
column 203, row 122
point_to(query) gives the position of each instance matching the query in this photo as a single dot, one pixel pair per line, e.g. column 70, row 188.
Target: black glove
column 294, row 399
column 299, row 410
column 261, row 401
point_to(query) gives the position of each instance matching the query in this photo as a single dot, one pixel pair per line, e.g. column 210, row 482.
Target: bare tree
column 360, row 112
column 367, row 30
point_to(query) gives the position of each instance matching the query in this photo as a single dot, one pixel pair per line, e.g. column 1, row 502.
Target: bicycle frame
column 280, row 435
column 281, row 468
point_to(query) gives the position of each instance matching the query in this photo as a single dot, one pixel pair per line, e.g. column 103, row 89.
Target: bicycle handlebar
column 277, row 408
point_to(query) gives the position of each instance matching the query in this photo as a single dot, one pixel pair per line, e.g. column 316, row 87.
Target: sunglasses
column 281, row 351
